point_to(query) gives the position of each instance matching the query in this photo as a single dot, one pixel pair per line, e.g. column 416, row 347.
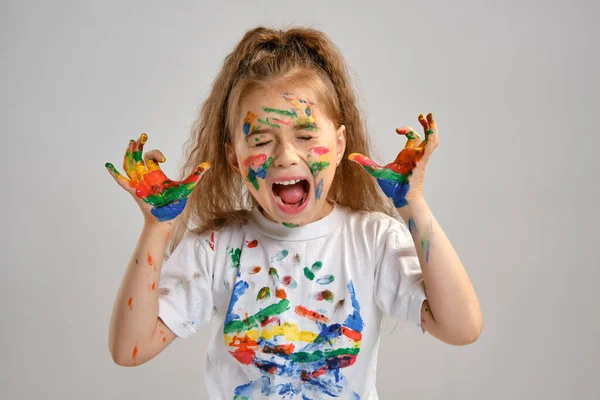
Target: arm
column 451, row 312
column 136, row 333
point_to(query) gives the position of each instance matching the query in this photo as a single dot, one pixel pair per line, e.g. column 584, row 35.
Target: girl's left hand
column 402, row 179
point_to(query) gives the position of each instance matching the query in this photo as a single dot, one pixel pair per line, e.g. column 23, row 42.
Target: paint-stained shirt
column 296, row 312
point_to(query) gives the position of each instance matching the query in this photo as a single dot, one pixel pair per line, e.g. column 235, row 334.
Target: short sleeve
column 399, row 284
column 185, row 291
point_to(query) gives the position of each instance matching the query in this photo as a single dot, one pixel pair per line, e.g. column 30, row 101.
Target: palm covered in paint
column 162, row 197
column 402, row 179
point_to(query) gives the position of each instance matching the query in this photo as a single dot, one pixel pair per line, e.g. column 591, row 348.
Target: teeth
column 292, row 182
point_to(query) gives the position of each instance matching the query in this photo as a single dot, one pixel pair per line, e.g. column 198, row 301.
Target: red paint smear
column 271, row 369
column 150, row 261
column 129, row 302
column 134, row 353
column 255, row 270
column 422, row 321
column 287, row 280
column 212, row 241
column 312, row 315
column 281, row 294
column 255, row 159
column 252, row 244
column 351, row 334
column 154, row 286
column 267, row 321
column 278, row 121
column 319, row 150
column 164, row 339
column 244, row 352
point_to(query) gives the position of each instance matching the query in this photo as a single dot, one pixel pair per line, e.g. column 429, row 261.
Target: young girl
column 286, row 245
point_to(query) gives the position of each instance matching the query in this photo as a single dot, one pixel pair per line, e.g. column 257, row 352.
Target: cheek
column 319, row 159
column 254, row 169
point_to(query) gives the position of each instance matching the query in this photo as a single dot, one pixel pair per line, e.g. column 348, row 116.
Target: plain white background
column 514, row 182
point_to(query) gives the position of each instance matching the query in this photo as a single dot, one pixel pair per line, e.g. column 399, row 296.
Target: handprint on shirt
column 292, row 361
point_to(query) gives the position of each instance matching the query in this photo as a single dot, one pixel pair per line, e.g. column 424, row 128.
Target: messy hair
column 264, row 58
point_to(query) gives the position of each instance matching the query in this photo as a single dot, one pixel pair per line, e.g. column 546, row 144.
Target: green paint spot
column 288, row 225
column 263, row 293
column 327, row 296
column 304, row 357
column 253, row 321
column 316, row 266
column 318, row 166
column 273, row 272
column 235, row 257
column 286, row 113
column 308, row 273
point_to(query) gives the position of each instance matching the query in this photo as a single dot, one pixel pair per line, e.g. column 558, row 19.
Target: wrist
column 416, row 206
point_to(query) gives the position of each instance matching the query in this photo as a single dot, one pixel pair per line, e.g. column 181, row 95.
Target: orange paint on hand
column 129, row 303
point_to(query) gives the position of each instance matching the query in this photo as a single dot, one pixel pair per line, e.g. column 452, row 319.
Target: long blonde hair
column 264, row 57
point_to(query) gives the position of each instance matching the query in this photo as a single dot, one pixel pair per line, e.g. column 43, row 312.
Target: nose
column 286, row 156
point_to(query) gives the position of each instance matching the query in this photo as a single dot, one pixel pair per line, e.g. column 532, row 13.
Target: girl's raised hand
column 159, row 198
column 402, row 179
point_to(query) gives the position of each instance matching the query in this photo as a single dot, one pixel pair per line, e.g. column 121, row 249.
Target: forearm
column 135, row 312
column 451, row 297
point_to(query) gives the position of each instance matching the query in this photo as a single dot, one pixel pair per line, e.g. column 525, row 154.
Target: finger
column 430, row 142
column 120, row 179
column 152, row 158
column 412, row 136
column 129, row 161
column 424, row 123
column 369, row 165
column 140, row 167
column 197, row 173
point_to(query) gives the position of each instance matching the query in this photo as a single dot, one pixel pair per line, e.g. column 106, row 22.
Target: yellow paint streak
column 288, row 330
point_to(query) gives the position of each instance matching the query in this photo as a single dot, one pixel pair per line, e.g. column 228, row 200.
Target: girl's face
column 287, row 151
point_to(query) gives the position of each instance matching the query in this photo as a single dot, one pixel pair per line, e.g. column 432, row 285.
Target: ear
column 232, row 159
column 341, row 143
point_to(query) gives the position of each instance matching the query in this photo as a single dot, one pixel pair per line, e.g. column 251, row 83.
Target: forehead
column 284, row 98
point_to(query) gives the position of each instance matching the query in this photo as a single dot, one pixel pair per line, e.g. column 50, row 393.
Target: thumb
column 369, row 165
column 197, row 173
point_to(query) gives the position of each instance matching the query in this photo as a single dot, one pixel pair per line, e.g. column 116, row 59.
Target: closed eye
column 305, row 137
column 262, row 143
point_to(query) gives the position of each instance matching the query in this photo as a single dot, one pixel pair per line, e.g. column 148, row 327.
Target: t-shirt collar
column 316, row 229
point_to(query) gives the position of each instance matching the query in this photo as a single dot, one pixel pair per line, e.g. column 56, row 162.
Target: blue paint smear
column 238, row 290
column 307, row 111
column 412, row 225
column 319, row 189
column 246, row 128
column 169, row 211
column 354, row 321
column 395, row 190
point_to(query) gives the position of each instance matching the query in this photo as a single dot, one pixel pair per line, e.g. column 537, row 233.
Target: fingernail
column 144, row 138
column 163, row 159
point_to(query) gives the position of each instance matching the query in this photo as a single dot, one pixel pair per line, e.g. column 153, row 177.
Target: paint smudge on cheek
column 257, row 165
column 318, row 159
column 319, row 189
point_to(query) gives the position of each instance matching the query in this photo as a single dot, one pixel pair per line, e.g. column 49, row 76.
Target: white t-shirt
column 296, row 312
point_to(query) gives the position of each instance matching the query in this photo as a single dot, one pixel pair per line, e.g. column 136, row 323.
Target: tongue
column 291, row 194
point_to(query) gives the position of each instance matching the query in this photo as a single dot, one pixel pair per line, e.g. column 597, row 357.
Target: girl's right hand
column 159, row 198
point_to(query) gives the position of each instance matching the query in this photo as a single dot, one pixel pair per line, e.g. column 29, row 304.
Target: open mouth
column 291, row 196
